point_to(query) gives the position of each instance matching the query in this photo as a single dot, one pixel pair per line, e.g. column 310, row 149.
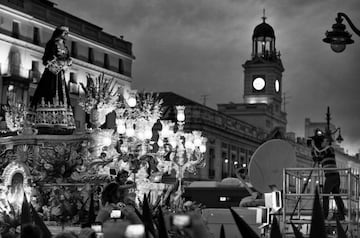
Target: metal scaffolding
column 298, row 195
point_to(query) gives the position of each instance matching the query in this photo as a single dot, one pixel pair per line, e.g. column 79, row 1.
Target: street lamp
column 328, row 132
column 338, row 38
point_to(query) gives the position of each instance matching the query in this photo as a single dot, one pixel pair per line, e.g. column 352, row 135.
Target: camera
column 112, row 172
column 116, row 214
column 135, row 231
column 180, row 220
column 97, row 227
column 318, row 138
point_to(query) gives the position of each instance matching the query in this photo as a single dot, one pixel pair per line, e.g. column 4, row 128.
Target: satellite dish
column 267, row 164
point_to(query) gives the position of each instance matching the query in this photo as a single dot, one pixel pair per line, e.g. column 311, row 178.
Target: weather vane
column 264, row 17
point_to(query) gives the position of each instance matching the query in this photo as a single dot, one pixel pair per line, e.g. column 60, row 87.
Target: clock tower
column 262, row 84
column 263, row 72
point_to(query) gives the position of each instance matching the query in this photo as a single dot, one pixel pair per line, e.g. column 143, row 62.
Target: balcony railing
column 34, row 76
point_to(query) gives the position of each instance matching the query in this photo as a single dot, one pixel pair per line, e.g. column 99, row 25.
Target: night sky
column 196, row 48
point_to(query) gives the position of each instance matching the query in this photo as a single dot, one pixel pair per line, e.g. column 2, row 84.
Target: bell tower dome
column 263, row 41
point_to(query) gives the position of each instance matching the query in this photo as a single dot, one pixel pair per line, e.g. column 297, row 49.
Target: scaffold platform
column 298, row 195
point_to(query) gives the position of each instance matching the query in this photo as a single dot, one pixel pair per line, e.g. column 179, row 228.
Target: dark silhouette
column 243, row 227
column 317, row 229
column 324, row 154
column 30, row 231
column 26, row 217
column 275, row 229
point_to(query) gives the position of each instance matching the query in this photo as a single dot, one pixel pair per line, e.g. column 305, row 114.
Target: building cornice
column 21, row 43
column 86, row 65
column 41, row 139
column 34, row 20
column 257, row 63
column 222, row 132
column 198, row 114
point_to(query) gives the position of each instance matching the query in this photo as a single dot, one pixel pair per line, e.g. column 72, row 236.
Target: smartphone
column 112, row 172
column 115, row 214
column 97, row 227
column 135, row 231
column 181, row 220
column 100, row 235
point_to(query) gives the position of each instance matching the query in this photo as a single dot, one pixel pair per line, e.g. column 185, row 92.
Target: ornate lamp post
column 338, row 38
column 180, row 151
column 328, row 132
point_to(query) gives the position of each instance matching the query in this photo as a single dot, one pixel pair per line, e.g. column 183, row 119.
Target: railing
column 200, row 114
column 16, row 70
column 34, row 76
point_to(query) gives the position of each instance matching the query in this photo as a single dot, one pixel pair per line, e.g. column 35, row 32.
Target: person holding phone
column 111, row 199
column 113, row 206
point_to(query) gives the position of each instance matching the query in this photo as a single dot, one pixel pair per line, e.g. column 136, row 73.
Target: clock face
column 259, row 84
column 277, row 86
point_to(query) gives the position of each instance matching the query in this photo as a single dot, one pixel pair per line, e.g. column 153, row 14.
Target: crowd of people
column 118, row 216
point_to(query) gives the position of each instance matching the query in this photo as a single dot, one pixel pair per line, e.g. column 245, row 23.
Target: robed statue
column 51, row 111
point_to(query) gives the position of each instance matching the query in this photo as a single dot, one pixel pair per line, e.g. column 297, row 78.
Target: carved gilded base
column 52, row 119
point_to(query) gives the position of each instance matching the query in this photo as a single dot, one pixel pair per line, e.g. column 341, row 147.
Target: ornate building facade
column 231, row 142
column 26, row 26
column 30, row 160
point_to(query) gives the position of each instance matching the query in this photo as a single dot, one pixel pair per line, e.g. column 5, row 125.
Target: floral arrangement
column 100, row 93
column 63, row 204
column 15, row 115
column 140, row 119
column 9, row 220
column 148, row 108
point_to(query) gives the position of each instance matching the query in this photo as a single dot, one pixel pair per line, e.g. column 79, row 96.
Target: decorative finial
column 264, row 17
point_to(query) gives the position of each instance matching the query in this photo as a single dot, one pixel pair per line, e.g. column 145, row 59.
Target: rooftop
column 171, row 99
column 46, row 11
